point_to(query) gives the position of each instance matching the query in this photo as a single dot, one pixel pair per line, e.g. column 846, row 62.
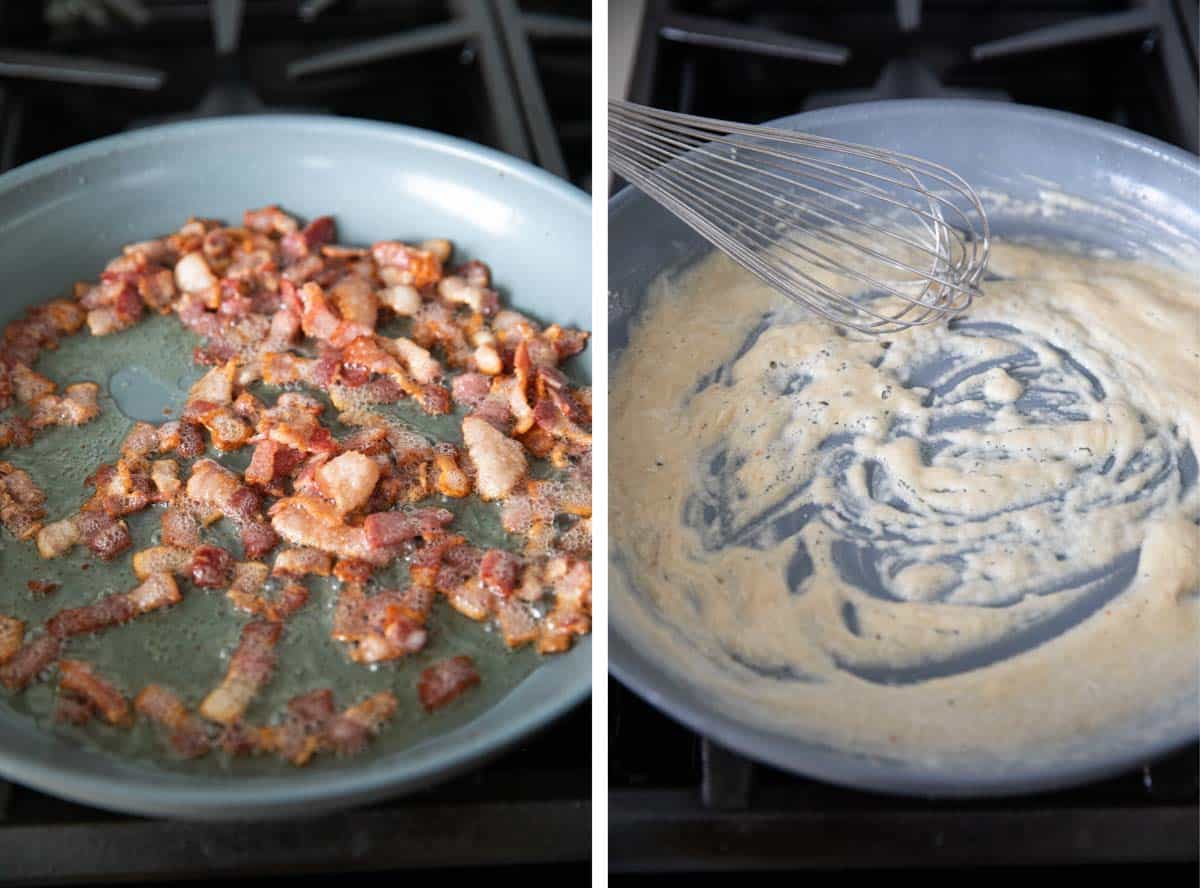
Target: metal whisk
column 870, row 239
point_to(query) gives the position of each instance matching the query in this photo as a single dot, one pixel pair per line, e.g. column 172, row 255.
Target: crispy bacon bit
column 403, row 299
column 500, row 571
column 499, row 460
column 141, row 441
column 347, row 733
column 79, row 679
column 192, row 274
column 250, row 668
column 12, row 633
column 300, row 735
column 313, row 523
column 164, row 473
column 156, row 591
column 246, row 594
column 162, row 559
column 30, row 660
column 300, row 243
column 188, row 735
column 418, row 268
column 381, row 627
column 445, row 681
column 301, row 562
column 392, row 528
column 572, row 584
column 21, row 502
column 516, row 623
column 347, row 480
column 57, row 538
column 211, row 567
column 269, row 220
column 258, row 539
column 103, row 534
column 28, row 385
column 43, row 587
column 469, row 389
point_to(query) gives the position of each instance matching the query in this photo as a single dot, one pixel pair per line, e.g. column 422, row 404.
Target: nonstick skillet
column 64, row 216
column 1111, row 188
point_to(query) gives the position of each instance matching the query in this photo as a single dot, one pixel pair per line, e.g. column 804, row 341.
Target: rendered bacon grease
column 978, row 540
column 287, row 321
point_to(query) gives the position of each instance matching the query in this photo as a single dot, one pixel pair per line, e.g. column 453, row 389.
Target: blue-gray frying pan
column 1144, row 197
column 61, row 219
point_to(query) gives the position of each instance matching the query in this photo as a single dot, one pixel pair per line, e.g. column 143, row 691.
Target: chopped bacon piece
column 355, row 300
column 30, row 661
column 43, row 587
column 384, row 626
column 215, row 386
column 211, row 567
column 192, row 274
column 445, row 681
column 180, row 527
column 269, row 220
column 301, row 562
column 162, row 559
column 250, row 668
column 393, row 528
column 258, row 538
column 418, row 268
column 216, row 489
column 12, row 633
column 347, row 480
column 499, row 460
column 142, row 440
column 310, row 522
column 77, row 406
column 452, row 481
column 403, row 299
column 21, row 502
column 261, row 471
column 347, row 733
column 572, row 583
column 57, row 538
column 164, row 473
column 469, row 389
column 300, row 735
column 79, row 679
column 500, row 571
column 102, row 533
column 156, row 591
column 188, row 735
column 247, row 595
column 28, row 385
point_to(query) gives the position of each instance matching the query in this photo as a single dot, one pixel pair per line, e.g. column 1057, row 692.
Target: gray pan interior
column 63, row 217
column 1142, row 198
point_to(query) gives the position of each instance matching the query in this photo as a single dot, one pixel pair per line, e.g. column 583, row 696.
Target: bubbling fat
column 963, row 539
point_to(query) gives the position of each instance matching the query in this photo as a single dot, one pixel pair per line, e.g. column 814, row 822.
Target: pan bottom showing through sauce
column 969, row 540
column 271, row 501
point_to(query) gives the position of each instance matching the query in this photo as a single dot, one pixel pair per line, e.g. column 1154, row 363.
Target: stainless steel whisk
column 872, row 240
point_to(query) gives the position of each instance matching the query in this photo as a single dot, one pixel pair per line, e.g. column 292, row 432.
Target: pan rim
column 660, row 686
column 140, row 789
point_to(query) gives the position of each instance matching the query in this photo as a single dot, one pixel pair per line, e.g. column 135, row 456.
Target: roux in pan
column 975, row 539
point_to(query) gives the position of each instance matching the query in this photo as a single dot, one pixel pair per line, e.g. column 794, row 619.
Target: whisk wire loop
column 872, row 240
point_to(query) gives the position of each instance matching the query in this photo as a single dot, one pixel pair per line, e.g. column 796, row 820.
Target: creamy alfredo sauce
column 977, row 539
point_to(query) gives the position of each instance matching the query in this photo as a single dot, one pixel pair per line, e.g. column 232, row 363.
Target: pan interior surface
column 64, row 217
column 1132, row 198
